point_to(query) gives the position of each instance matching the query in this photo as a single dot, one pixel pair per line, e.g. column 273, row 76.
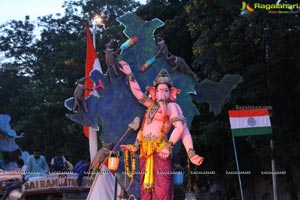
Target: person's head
column 159, row 40
column 58, row 154
column 111, row 44
column 80, row 81
column 86, row 158
column 37, row 153
column 20, row 163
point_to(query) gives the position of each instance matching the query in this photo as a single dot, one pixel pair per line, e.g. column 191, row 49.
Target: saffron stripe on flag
column 251, row 131
column 250, row 122
column 248, row 113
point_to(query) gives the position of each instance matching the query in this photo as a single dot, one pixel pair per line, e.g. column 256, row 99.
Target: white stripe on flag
column 249, row 122
column 97, row 65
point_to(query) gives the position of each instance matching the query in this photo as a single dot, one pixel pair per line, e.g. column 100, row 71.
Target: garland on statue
column 133, row 161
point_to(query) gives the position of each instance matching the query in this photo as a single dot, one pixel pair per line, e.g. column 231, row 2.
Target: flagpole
column 238, row 168
column 274, row 178
column 93, row 141
column 267, row 51
column 94, row 35
column 96, row 21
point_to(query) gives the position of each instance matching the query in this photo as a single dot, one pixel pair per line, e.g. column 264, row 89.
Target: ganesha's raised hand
column 125, row 68
column 197, row 160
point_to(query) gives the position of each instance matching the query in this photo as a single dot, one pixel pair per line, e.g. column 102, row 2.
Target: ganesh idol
column 152, row 139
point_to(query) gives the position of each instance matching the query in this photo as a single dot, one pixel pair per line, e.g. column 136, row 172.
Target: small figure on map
column 111, row 58
column 162, row 48
column 179, row 62
column 79, row 95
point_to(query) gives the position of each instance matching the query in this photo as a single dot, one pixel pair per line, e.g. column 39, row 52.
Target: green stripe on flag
column 251, row 131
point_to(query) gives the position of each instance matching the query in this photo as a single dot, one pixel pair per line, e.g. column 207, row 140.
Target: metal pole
column 238, row 168
column 274, row 179
column 94, row 34
column 116, row 188
column 267, row 51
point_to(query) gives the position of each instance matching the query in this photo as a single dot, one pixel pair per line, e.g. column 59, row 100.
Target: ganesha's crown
column 163, row 77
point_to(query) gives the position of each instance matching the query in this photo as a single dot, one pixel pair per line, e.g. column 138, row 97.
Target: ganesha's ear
column 152, row 92
column 173, row 92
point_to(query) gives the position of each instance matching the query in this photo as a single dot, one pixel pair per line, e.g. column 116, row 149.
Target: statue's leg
column 108, row 72
column 145, row 195
column 163, row 178
column 115, row 69
column 84, row 106
column 175, row 67
column 75, row 105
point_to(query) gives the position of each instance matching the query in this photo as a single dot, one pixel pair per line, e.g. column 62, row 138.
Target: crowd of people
column 37, row 166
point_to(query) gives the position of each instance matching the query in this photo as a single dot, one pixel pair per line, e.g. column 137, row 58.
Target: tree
column 46, row 69
column 256, row 46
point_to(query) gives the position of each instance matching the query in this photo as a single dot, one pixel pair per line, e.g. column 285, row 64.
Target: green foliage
column 38, row 74
column 261, row 48
column 42, row 72
column 16, row 43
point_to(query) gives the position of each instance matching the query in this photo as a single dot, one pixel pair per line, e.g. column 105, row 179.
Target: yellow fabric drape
column 148, row 148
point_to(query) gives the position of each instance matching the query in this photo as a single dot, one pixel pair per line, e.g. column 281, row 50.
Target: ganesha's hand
column 124, row 147
column 164, row 153
column 128, row 147
column 197, row 160
column 125, row 68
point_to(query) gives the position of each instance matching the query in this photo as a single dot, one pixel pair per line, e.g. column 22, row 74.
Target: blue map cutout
column 116, row 107
column 215, row 93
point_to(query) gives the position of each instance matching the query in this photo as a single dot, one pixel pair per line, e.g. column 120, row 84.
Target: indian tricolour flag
column 250, row 122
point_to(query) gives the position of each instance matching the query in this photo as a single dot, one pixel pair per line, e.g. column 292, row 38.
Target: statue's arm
column 134, row 85
column 178, row 121
column 29, row 164
column 182, row 132
column 176, row 117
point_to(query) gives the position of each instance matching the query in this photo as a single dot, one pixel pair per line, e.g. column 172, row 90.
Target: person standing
column 58, row 162
column 82, row 168
column 69, row 164
column 36, row 165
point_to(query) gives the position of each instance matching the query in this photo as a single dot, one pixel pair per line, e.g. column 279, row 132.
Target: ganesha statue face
column 163, row 92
